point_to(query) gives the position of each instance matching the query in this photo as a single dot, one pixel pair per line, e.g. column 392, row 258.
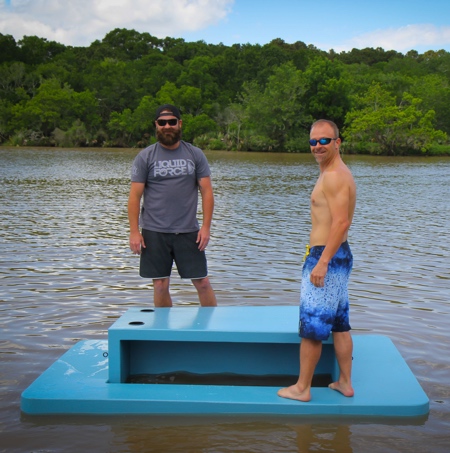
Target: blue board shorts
column 162, row 249
column 325, row 309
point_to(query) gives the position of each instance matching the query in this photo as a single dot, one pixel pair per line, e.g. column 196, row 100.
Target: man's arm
column 134, row 208
column 337, row 194
column 206, row 192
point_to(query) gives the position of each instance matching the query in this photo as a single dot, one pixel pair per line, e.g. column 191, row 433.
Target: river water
column 67, row 274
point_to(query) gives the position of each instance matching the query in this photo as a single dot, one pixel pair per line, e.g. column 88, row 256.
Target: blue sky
column 340, row 25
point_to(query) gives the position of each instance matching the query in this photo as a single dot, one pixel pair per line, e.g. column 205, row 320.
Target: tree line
column 241, row 97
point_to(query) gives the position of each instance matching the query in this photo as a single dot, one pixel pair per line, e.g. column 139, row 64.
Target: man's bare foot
column 346, row 390
column 293, row 393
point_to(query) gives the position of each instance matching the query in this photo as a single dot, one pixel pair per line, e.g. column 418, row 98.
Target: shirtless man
column 324, row 304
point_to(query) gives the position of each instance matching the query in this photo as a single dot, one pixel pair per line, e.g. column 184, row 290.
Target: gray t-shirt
column 171, row 187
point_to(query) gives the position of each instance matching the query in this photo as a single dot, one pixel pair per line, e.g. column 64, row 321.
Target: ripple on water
column 67, row 275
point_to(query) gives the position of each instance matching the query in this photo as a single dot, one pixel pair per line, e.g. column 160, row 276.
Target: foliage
column 193, row 126
column 394, row 129
column 439, row 150
column 275, row 114
column 76, row 136
column 242, row 97
column 327, row 90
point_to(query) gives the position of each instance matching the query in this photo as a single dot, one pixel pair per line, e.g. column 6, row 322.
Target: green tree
column 12, row 76
column 153, row 71
column 9, row 50
column 121, row 127
column 231, row 120
column 115, row 85
column 168, row 94
column 276, row 115
column 198, row 74
column 77, row 135
column 328, row 90
column 129, row 128
column 144, row 115
column 368, row 56
column 190, row 100
column 35, row 50
column 248, row 62
column 182, row 52
column 127, row 45
column 53, row 71
column 381, row 126
column 436, row 62
column 55, row 106
column 5, row 119
column 195, row 126
column 261, row 97
column 187, row 98
column 434, row 90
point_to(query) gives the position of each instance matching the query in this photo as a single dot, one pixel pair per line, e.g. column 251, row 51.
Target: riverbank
column 435, row 151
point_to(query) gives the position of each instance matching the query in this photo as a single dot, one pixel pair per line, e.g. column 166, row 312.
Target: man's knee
column 202, row 284
column 161, row 284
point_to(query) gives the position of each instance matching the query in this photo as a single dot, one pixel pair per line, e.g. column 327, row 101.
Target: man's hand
column 317, row 277
column 203, row 238
column 136, row 242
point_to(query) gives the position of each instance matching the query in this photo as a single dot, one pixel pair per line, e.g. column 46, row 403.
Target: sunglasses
column 172, row 122
column 322, row 141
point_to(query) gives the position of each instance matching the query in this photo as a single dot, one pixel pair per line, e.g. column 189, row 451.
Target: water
column 66, row 274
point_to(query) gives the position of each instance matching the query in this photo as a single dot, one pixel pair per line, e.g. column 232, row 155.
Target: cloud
column 402, row 39
column 81, row 22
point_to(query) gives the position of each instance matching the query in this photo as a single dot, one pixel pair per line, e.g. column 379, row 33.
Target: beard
column 169, row 138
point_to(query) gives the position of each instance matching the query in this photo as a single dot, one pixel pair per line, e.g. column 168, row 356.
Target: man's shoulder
column 196, row 153
column 337, row 177
column 190, row 147
column 144, row 154
column 149, row 150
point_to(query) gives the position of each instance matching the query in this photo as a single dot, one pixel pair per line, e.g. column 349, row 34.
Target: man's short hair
column 331, row 123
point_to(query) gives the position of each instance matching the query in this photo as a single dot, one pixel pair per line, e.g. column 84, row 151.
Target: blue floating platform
column 93, row 376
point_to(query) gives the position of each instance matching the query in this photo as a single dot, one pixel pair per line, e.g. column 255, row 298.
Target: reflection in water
column 244, row 436
column 67, row 274
column 323, row 438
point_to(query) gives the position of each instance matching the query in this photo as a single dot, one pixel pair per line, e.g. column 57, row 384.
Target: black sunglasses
column 172, row 122
column 322, row 141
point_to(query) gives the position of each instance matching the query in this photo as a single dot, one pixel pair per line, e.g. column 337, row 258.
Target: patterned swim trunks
column 325, row 309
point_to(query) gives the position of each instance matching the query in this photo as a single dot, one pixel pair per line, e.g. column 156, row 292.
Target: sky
column 400, row 25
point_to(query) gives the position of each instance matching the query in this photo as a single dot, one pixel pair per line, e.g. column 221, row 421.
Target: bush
column 30, row 138
column 371, row 148
column 439, row 150
column 298, row 144
column 77, row 135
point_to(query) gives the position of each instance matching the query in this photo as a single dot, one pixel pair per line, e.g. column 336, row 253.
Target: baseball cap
column 171, row 108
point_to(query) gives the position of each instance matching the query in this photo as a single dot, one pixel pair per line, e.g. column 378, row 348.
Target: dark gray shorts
column 162, row 249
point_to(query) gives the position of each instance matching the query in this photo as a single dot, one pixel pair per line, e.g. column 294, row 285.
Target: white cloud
column 402, row 39
column 81, row 22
